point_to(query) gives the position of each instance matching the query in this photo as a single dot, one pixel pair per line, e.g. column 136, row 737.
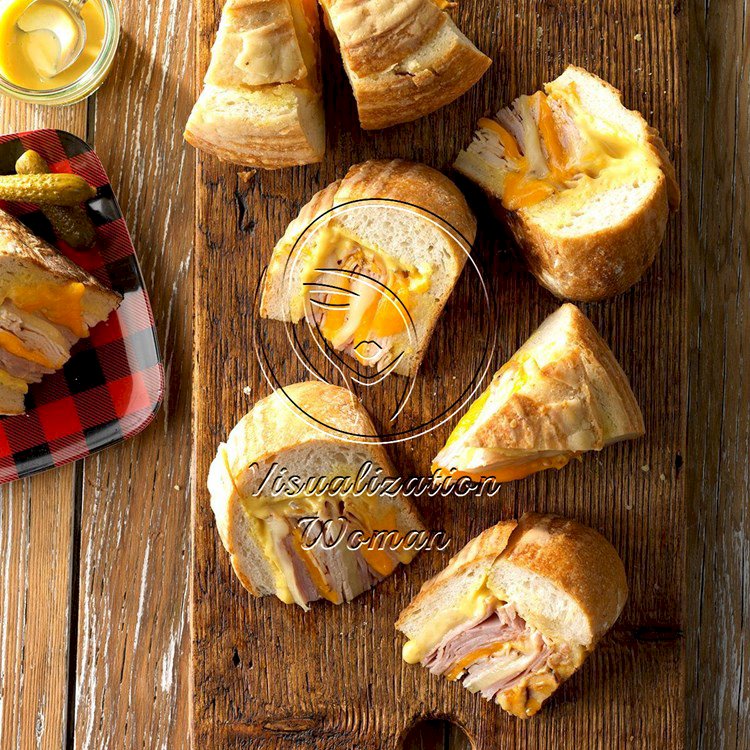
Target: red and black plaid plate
column 112, row 386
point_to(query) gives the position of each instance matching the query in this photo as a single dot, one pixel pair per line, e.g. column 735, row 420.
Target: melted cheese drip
column 303, row 13
column 59, row 303
column 471, row 606
column 510, row 473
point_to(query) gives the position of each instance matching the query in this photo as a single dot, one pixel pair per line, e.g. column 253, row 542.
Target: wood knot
column 290, row 724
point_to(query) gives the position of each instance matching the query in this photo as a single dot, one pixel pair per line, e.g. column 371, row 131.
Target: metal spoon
column 70, row 47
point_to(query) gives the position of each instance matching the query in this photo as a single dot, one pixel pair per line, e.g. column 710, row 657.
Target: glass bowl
column 89, row 82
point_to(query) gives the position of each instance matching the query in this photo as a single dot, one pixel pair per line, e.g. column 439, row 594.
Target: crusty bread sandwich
column 47, row 303
column 404, row 58
column 373, row 277
column 584, row 184
column 517, row 610
column 297, row 503
column 561, row 394
column 261, row 103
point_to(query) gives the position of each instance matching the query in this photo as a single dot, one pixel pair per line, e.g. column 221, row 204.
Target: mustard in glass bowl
column 34, row 41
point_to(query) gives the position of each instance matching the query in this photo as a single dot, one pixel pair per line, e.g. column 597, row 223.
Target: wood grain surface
column 37, row 541
column 132, row 636
column 268, row 675
column 718, row 482
column 93, row 598
column 40, row 518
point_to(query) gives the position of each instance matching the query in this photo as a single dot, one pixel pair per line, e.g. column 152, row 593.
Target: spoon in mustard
column 47, row 20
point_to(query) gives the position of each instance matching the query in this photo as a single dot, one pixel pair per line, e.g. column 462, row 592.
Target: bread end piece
column 564, row 578
column 597, row 240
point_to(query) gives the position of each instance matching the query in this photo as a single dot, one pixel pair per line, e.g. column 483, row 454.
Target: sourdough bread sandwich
column 373, row 277
column 561, row 394
column 47, row 303
column 584, row 183
column 517, row 610
column 404, row 58
column 297, row 505
column 261, row 103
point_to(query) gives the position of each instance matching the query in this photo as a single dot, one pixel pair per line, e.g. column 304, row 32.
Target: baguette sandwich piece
column 373, row 277
column 261, row 103
column 404, row 58
column 584, row 184
column 561, row 394
column 47, row 303
column 517, row 610
column 261, row 519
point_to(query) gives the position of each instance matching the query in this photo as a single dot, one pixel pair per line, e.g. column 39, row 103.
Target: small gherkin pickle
column 57, row 189
column 71, row 223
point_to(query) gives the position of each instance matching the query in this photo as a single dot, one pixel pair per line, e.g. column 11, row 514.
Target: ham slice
column 501, row 625
column 36, row 333
column 19, row 367
column 343, row 570
column 490, row 674
column 511, row 673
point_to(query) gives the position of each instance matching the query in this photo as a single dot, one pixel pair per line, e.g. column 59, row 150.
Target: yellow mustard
column 30, row 52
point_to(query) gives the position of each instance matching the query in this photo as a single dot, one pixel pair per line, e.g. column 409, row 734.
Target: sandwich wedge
column 517, row 610
column 373, row 278
column 584, row 184
column 47, row 303
column 261, row 102
column 561, row 394
column 404, row 58
column 290, row 497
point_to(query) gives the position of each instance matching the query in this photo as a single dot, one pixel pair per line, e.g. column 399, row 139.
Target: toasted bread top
column 562, row 390
column 565, row 579
column 402, row 181
column 34, row 254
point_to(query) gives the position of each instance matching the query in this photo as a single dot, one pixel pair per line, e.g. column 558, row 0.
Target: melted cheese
column 609, row 153
column 471, row 606
column 59, row 303
column 303, row 13
column 518, row 470
column 361, row 310
column 264, row 511
column 11, row 343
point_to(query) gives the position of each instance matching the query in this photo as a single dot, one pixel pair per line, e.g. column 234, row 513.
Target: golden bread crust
column 595, row 266
column 480, row 552
column 404, row 59
column 572, row 257
column 277, row 142
column 577, row 560
column 18, row 242
column 275, row 425
column 394, row 179
column 583, row 395
column 261, row 104
column 572, row 557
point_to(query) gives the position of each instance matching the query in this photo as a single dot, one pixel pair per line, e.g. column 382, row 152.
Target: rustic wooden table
column 94, row 631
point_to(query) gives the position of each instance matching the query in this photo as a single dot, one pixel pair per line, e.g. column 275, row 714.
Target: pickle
column 56, row 189
column 71, row 223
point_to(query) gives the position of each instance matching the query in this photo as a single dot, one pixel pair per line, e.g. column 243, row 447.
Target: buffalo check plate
column 112, row 386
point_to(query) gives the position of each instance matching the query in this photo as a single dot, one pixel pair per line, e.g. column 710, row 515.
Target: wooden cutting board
column 268, row 675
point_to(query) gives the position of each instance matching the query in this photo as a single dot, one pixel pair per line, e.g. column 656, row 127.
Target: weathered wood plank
column 718, row 480
column 132, row 650
column 36, row 527
column 36, row 535
column 251, row 656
